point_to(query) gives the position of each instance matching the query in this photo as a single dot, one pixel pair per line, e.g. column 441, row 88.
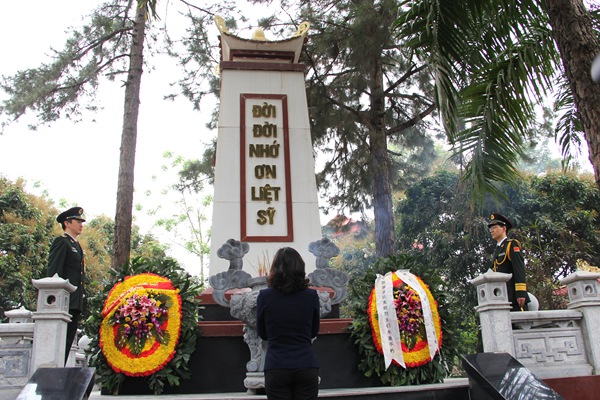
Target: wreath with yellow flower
column 411, row 323
column 144, row 326
column 368, row 339
column 141, row 322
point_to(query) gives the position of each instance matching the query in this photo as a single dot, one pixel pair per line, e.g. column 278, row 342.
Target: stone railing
column 16, row 342
column 36, row 339
column 553, row 343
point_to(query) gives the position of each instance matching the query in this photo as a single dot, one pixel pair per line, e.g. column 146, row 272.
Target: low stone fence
column 36, row 339
column 16, row 343
column 551, row 344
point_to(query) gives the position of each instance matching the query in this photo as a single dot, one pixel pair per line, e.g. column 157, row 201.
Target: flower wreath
column 141, row 324
column 409, row 313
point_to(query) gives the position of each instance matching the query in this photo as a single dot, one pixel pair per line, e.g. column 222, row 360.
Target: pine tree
column 369, row 103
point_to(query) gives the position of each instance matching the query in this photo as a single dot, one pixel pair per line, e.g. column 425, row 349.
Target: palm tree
column 494, row 61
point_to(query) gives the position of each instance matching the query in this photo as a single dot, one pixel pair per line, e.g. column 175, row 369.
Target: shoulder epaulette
column 516, row 247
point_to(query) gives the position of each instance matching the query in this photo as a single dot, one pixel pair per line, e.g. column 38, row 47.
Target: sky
column 78, row 162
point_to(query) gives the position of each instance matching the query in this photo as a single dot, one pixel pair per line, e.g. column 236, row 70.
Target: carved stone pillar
column 494, row 312
column 584, row 295
column 242, row 305
column 51, row 319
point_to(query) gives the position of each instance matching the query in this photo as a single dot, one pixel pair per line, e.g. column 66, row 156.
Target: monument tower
column 265, row 187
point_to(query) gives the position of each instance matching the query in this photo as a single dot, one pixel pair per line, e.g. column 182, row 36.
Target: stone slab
column 500, row 376
column 59, row 383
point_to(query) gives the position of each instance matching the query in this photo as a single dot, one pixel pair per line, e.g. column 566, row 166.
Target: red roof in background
column 561, row 291
column 342, row 225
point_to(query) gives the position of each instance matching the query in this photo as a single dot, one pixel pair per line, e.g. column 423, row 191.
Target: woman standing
column 287, row 316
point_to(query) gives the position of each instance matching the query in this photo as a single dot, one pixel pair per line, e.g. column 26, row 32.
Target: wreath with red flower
column 141, row 322
column 411, row 324
column 371, row 361
column 144, row 326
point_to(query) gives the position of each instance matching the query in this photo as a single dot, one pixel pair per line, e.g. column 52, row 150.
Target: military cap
column 499, row 219
column 71, row 213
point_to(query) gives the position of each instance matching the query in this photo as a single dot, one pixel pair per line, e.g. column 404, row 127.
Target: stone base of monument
column 219, row 364
column 254, row 382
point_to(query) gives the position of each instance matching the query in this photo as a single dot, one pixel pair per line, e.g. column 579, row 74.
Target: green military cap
column 499, row 219
column 71, row 213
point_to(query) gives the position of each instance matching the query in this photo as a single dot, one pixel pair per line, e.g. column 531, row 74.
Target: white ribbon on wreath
column 412, row 281
column 388, row 320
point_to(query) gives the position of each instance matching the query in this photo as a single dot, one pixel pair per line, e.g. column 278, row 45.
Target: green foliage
column 493, row 62
column 558, row 225
column 198, row 52
column 26, row 224
column 434, row 222
column 371, row 361
column 64, row 86
column 358, row 74
column 185, row 219
column 556, row 220
column 177, row 368
column 370, row 105
column 540, row 141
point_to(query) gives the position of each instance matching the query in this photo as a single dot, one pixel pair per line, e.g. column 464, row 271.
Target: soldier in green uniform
column 67, row 259
column 508, row 258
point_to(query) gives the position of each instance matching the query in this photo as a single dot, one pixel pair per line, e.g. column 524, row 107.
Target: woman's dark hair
column 287, row 271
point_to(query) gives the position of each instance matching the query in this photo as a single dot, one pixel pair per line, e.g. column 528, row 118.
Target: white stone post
column 494, row 312
column 18, row 316
column 584, row 295
column 51, row 319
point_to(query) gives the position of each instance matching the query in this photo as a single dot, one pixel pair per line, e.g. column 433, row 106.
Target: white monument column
column 265, row 187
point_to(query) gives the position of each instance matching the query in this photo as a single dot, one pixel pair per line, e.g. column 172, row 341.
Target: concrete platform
column 451, row 389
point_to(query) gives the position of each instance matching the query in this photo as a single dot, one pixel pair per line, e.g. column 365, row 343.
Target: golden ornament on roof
column 259, row 34
column 302, row 29
column 220, row 23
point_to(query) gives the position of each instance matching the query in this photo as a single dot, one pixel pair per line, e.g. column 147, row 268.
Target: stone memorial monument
column 265, row 188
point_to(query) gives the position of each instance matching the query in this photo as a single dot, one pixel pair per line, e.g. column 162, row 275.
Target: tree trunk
column 385, row 241
column 124, row 211
column 578, row 45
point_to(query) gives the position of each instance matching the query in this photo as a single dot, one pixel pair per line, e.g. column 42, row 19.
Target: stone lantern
column 494, row 311
column 584, row 295
column 51, row 319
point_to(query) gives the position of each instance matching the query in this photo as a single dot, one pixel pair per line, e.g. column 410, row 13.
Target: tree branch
column 411, row 122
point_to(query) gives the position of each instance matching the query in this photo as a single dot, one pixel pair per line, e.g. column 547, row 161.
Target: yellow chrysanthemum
column 154, row 355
